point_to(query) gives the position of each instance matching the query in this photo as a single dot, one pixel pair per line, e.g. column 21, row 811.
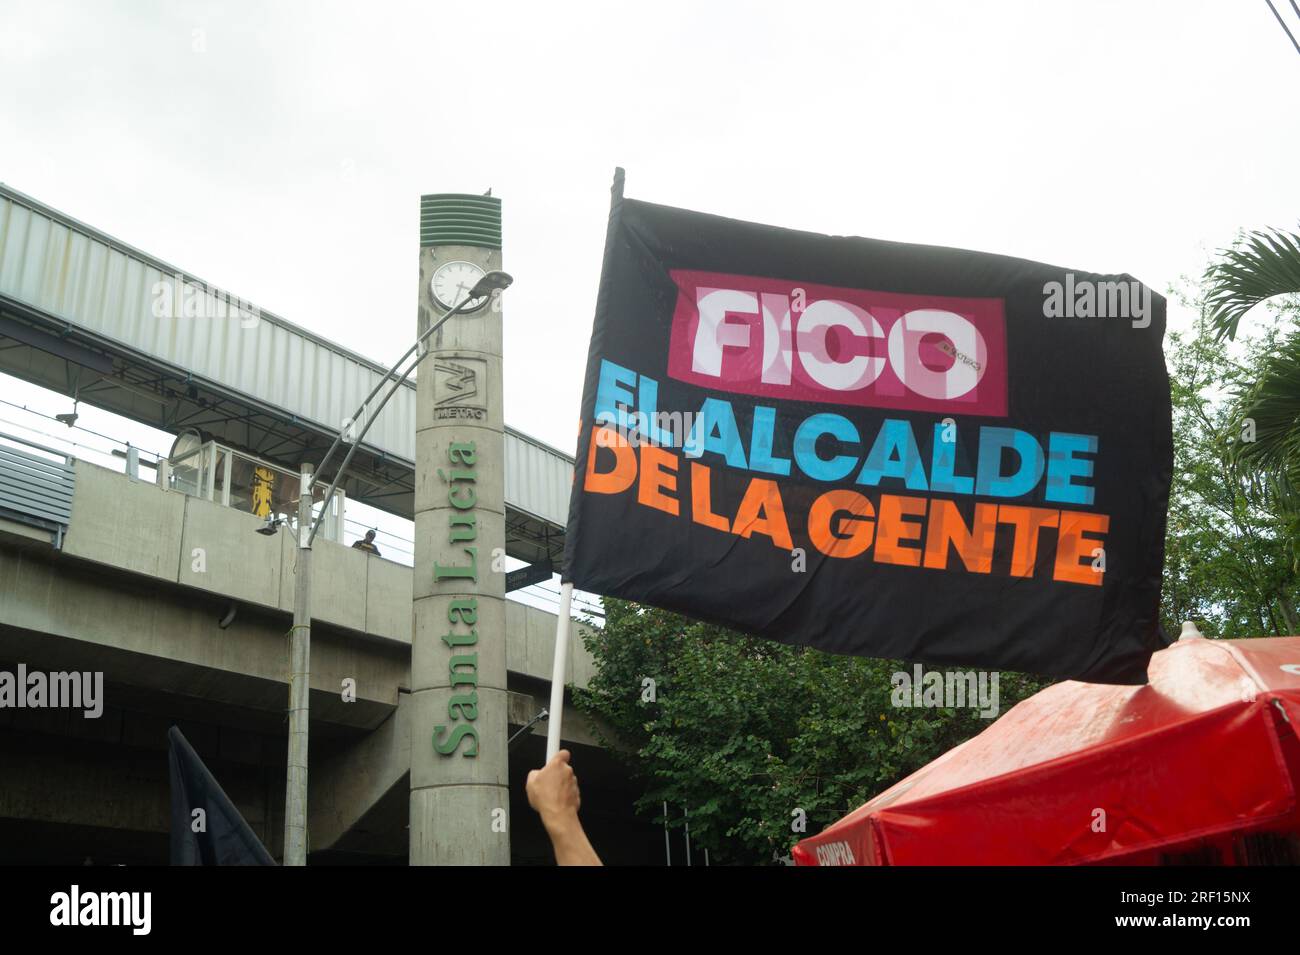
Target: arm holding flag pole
column 553, row 792
column 553, row 789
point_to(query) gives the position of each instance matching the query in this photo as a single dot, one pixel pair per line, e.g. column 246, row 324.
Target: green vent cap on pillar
column 452, row 218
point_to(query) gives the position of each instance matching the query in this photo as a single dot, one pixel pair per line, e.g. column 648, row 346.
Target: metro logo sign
column 807, row 342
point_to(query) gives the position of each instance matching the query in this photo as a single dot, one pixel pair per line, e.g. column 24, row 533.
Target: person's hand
column 553, row 791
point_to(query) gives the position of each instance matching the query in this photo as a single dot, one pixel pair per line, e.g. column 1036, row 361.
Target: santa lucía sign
column 459, row 771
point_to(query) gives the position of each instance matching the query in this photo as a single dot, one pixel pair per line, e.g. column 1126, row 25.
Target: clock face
column 452, row 282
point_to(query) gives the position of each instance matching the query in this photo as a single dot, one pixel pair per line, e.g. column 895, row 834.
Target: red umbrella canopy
column 1085, row 773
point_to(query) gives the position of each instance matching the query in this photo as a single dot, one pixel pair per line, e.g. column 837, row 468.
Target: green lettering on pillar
column 462, row 527
column 457, row 734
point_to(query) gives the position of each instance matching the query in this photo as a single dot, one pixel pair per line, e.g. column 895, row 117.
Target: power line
column 75, row 427
column 1289, row 34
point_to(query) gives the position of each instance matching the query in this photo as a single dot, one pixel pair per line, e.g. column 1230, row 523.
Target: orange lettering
column 853, row 532
column 701, row 508
column 892, row 529
column 618, row 480
column 1072, row 546
column 762, row 512
column 946, row 528
column 1027, row 521
column 654, row 481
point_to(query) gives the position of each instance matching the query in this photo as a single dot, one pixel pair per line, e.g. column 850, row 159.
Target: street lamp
column 295, row 802
column 493, row 282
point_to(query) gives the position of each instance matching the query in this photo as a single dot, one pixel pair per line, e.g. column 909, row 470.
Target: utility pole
column 295, row 799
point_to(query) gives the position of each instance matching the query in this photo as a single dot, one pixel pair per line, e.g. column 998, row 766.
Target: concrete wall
column 139, row 528
column 61, row 616
column 530, row 645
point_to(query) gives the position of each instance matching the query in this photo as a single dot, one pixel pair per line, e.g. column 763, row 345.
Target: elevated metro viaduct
column 101, row 571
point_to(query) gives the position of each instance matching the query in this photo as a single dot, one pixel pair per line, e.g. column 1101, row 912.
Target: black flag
column 875, row 448
column 224, row 838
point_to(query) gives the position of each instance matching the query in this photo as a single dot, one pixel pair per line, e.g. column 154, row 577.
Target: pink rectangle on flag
column 776, row 338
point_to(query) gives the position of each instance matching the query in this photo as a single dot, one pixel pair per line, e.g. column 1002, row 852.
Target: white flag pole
column 562, row 625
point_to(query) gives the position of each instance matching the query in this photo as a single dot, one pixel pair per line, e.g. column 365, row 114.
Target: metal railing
column 236, row 479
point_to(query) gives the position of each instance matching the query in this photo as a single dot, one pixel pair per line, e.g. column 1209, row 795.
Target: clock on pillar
column 451, row 284
column 459, row 787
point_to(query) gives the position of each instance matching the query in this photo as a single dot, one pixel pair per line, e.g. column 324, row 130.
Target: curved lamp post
column 295, row 803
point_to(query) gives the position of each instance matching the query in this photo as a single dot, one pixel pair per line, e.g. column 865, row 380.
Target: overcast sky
column 279, row 150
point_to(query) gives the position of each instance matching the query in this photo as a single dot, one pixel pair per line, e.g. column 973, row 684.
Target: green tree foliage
column 1229, row 560
column 1261, row 266
column 1264, row 267
column 745, row 733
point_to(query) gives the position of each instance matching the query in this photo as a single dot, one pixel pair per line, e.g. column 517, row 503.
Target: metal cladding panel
column 35, row 487
column 81, row 276
column 539, row 479
column 460, row 219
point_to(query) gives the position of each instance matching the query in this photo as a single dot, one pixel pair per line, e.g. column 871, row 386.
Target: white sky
column 279, row 150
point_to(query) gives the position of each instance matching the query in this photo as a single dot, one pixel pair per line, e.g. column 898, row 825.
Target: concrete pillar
column 459, row 770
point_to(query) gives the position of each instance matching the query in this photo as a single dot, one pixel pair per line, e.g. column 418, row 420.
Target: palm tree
column 1267, row 447
column 1266, row 265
